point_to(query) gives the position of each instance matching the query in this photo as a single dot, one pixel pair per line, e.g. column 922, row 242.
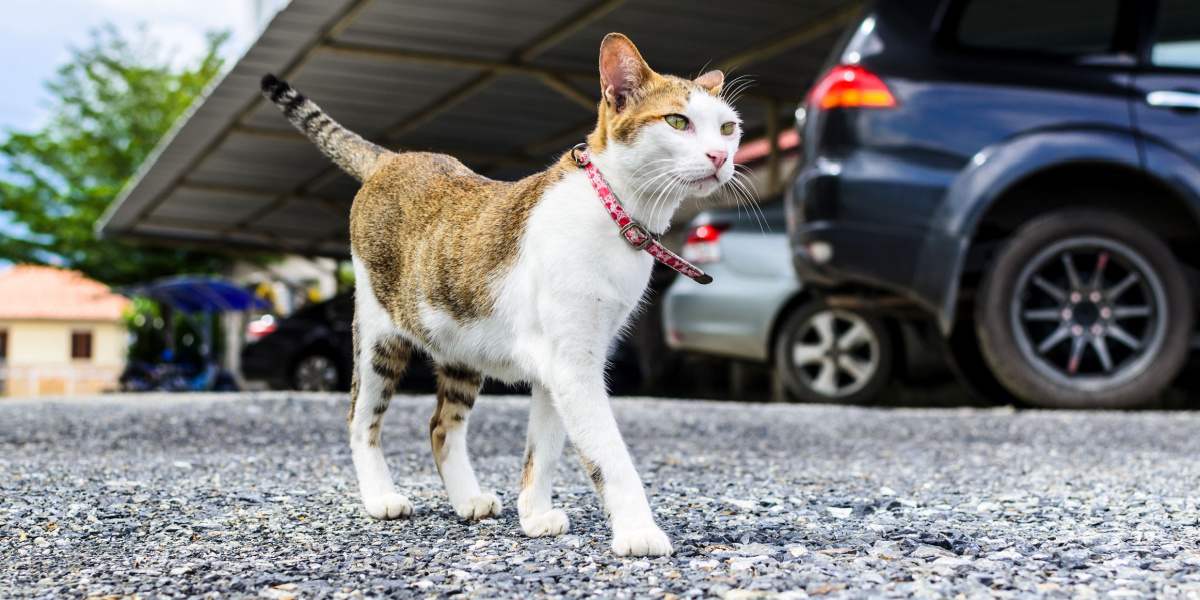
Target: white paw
column 551, row 522
column 641, row 541
column 480, row 507
column 388, row 506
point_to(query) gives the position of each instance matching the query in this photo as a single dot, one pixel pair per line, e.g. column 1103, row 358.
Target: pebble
column 254, row 495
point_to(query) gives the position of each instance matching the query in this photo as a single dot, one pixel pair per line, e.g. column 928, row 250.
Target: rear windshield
column 1059, row 27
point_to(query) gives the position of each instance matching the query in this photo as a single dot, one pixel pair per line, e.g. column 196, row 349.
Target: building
column 60, row 333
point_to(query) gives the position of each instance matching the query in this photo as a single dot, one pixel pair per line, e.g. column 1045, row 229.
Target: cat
column 525, row 281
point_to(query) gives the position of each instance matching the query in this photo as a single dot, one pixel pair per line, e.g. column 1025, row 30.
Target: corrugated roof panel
column 365, row 95
column 265, row 163
column 505, row 117
column 306, row 216
column 401, row 61
column 210, row 205
column 475, row 28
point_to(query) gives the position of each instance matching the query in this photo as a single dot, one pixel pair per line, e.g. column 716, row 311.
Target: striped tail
column 345, row 148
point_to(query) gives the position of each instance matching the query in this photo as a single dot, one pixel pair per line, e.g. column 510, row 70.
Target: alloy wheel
column 1089, row 312
column 316, row 373
column 835, row 353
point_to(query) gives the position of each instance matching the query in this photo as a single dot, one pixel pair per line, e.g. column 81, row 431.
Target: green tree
column 112, row 102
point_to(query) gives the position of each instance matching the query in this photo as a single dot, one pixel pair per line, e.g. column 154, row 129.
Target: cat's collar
column 634, row 233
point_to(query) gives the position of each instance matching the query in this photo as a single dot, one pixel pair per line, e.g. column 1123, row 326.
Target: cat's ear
column 712, row 81
column 622, row 70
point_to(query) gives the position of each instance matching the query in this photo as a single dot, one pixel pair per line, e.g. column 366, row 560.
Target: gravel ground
column 254, row 495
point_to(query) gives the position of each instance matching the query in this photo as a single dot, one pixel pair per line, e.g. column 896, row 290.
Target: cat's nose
column 717, row 157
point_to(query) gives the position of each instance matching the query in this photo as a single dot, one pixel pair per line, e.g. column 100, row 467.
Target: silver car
column 757, row 310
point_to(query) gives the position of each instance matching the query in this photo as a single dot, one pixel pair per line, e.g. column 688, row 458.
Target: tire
column 812, row 355
column 972, row 370
column 315, row 372
column 1084, row 309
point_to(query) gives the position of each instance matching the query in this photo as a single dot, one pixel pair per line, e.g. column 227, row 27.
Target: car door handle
column 1174, row 99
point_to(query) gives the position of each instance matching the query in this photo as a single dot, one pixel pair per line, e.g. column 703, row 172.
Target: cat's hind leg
column 543, row 447
column 457, row 389
column 379, row 360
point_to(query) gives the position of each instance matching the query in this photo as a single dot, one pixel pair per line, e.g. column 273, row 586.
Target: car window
column 1062, row 27
column 1178, row 40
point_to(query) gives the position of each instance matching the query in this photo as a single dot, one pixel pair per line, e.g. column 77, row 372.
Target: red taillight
column 260, row 327
column 706, row 233
column 851, row 86
column 701, row 246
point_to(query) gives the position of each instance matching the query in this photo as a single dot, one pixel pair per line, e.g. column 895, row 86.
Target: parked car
column 1028, row 173
column 308, row 351
column 758, row 311
column 311, row 350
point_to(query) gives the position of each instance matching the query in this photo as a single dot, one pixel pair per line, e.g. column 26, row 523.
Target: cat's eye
column 679, row 122
column 727, row 128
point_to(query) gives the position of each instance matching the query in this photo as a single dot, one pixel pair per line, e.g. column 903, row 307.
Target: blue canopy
column 198, row 294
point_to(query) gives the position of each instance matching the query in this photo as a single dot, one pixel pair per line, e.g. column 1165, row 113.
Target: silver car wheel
column 836, row 353
column 316, row 373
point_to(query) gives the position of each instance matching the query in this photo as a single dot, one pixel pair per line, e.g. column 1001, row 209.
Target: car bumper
column 261, row 362
column 869, row 219
column 733, row 319
column 917, row 264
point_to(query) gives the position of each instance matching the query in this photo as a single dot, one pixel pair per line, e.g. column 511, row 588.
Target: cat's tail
column 345, row 148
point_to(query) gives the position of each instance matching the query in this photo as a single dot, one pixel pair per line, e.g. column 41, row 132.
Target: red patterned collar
column 633, row 232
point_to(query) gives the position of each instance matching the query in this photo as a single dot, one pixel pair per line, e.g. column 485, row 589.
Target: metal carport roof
column 504, row 86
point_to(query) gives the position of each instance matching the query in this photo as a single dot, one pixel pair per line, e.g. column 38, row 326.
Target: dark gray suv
column 1025, row 172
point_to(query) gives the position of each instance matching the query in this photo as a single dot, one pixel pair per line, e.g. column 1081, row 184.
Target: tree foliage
column 112, row 102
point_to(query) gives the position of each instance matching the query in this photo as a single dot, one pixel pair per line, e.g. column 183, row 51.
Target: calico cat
column 526, row 281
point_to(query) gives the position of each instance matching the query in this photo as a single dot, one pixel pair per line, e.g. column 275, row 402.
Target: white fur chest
column 574, row 277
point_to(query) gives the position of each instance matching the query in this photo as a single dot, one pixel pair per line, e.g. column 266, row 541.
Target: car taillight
column 260, row 327
column 701, row 246
column 851, row 86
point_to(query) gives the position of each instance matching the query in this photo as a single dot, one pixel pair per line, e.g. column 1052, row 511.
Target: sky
column 36, row 37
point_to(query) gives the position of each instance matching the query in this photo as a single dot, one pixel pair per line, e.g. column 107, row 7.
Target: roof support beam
column 491, row 71
column 773, row 168
column 565, row 29
column 339, row 24
column 569, row 91
column 811, row 31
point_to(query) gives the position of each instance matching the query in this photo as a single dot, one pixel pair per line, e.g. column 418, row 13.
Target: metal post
column 773, row 158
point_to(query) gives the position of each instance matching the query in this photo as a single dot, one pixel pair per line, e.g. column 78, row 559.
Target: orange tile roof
column 33, row 292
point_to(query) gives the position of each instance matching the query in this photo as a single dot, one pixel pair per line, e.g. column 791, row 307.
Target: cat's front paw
column 549, row 523
column 388, row 506
column 641, row 541
column 479, row 507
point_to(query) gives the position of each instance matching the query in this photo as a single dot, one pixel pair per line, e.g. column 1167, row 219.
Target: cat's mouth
column 703, row 181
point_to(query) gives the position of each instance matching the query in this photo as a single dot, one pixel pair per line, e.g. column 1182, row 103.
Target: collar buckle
column 579, row 154
column 639, row 233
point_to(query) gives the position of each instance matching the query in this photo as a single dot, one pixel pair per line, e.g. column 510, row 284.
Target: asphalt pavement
column 254, row 495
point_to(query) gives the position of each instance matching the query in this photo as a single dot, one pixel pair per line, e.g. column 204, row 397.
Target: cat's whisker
column 734, row 89
column 745, row 185
column 657, row 181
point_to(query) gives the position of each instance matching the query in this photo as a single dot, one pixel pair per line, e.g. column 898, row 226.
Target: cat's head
column 664, row 129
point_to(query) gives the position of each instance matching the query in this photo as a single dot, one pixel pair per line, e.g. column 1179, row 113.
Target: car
column 1025, row 173
column 311, row 350
column 757, row 311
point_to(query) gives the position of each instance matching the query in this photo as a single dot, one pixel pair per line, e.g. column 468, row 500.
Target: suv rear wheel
column 1084, row 308
column 826, row 354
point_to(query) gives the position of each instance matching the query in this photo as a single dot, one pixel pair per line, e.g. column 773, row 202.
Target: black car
column 1026, row 173
column 311, row 350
